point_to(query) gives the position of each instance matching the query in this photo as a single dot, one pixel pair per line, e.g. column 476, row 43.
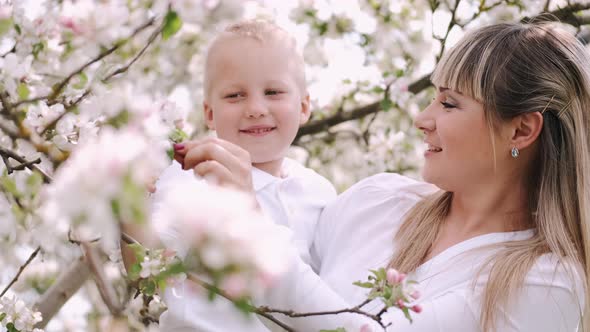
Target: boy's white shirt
column 295, row 200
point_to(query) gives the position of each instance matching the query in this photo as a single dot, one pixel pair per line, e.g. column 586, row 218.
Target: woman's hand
column 217, row 160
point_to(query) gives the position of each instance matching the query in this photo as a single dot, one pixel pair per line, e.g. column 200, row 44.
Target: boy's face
column 254, row 100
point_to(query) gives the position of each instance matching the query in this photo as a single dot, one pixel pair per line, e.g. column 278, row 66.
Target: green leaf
column 37, row 48
column 138, row 250
column 340, row 329
column 10, row 328
column 170, row 153
column 116, row 208
column 34, row 182
column 17, row 28
column 178, row 135
column 5, row 25
column 2, row 316
column 377, row 89
column 147, row 287
column 172, row 23
column 363, row 284
column 381, row 274
column 406, row 312
column 134, row 271
column 387, row 293
column 386, row 104
column 9, row 185
column 119, row 120
column 23, row 91
column 243, row 304
column 82, row 80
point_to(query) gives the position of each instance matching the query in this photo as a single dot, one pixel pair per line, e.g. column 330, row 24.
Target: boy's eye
column 233, row 95
column 272, row 92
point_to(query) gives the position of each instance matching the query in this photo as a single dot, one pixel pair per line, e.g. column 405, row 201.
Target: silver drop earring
column 514, row 152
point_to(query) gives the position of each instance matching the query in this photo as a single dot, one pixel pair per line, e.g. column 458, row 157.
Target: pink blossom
column 366, row 328
column 415, row 294
column 400, row 303
column 417, row 308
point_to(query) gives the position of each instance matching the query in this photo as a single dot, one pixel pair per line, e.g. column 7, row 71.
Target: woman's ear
column 526, row 128
column 208, row 114
column 305, row 110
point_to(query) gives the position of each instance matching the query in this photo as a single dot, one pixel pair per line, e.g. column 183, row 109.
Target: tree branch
column 20, row 271
column 106, row 290
column 317, row 126
column 24, row 163
column 120, row 70
column 67, row 284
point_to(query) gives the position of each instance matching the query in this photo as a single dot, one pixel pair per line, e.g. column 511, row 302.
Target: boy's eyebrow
column 280, row 82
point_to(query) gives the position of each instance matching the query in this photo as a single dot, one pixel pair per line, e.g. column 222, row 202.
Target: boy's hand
column 214, row 158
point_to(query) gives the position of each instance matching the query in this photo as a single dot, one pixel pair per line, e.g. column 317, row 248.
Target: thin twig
column 138, row 55
column 61, row 85
column 28, row 164
column 67, row 109
column 120, row 70
column 30, row 100
column 20, row 270
column 192, row 277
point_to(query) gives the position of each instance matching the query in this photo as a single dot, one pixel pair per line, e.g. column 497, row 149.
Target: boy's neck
column 273, row 167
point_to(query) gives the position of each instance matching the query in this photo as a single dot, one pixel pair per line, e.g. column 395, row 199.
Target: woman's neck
column 502, row 207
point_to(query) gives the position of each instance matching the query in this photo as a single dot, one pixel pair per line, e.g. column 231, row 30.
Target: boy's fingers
column 205, row 152
column 212, row 170
column 233, row 148
column 184, row 147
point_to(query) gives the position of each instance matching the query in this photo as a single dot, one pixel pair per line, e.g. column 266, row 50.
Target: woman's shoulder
column 391, row 185
column 379, row 197
column 551, row 271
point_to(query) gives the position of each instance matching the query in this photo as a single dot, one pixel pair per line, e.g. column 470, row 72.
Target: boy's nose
column 256, row 109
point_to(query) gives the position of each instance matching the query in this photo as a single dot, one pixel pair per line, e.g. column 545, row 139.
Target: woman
column 504, row 244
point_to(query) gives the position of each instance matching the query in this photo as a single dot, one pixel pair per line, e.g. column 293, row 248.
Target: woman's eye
column 447, row 105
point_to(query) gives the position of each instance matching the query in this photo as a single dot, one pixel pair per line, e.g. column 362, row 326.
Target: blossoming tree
column 93, row 92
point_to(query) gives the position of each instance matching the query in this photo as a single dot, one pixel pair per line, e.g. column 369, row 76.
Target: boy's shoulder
column 307, row 177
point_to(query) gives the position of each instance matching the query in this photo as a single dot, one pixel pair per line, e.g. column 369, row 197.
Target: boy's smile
column 258, row 130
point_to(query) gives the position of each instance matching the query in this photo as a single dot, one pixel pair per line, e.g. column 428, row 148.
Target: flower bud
column 417, row 308
column 392, row 276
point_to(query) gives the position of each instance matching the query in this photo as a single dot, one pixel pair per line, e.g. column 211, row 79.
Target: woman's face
column 459, row 152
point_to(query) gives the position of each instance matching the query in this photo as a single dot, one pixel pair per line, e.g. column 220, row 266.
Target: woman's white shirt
column 355, row 234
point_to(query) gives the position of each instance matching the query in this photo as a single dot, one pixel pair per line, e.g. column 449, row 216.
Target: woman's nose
column 425, row 120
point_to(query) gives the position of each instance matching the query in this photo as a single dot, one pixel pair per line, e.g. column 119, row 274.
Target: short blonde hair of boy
column 265, row 32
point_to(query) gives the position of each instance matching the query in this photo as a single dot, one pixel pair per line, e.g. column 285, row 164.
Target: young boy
column 255, row 99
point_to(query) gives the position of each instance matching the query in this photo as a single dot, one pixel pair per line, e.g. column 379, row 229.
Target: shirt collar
column 261, row 179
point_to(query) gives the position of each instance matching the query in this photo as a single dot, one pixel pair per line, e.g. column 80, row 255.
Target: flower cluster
column 100, row 185
column 394, row 289
column 15, row 316
column 223, row 242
